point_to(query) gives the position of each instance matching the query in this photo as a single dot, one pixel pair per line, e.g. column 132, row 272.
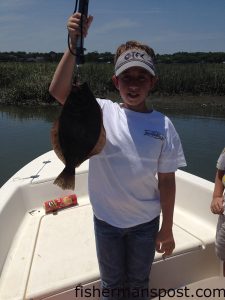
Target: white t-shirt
column 123, row 187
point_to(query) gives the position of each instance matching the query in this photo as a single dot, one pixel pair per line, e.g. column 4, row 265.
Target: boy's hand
column 73, row 26
column 217, row 205
column 165, row 242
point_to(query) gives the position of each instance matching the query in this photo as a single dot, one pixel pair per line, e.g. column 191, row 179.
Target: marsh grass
column 191, row 79
column 23, row 83
column 28, row 83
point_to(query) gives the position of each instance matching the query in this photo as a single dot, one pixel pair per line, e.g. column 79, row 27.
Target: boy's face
column 134, row 85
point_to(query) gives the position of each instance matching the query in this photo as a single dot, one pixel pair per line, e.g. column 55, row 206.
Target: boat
column 52, row 256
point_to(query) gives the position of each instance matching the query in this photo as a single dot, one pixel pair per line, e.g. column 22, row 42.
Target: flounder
column 78, row 134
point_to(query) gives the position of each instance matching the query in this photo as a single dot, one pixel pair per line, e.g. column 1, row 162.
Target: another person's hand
column 217, row 205
column 73, row 26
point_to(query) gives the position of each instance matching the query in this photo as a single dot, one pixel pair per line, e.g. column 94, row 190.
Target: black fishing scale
column 81, row 7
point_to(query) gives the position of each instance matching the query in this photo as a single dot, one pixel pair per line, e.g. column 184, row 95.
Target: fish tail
column 65, row 180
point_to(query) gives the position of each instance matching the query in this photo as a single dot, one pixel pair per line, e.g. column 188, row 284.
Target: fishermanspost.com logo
column 184, row 292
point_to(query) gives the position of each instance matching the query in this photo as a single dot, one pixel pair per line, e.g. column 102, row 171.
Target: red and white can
column 59, row 203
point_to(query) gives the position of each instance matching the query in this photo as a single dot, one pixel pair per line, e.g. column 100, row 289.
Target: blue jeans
column 125, row 257
column 220, row 237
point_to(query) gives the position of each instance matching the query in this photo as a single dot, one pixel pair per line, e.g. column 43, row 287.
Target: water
column 25, row 134
column 203, row 139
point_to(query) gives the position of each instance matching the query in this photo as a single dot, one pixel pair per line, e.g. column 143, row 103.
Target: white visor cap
column 134, row 58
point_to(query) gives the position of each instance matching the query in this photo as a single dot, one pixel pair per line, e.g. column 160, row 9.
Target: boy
column 124, row 192
column 217, row 207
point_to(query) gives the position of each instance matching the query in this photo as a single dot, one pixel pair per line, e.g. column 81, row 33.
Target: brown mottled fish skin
column 78, row 134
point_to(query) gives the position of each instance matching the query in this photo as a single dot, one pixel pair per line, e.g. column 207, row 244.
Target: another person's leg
column 220, row 240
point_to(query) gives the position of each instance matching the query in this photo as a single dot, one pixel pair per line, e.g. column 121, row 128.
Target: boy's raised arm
column 62, row 80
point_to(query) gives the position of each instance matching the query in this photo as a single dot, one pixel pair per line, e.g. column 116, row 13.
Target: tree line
column 108, row 57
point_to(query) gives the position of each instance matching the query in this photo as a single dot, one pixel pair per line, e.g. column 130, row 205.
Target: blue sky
column 168, row 26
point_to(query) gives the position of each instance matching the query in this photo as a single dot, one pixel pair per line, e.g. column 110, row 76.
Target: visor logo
column 132, row 55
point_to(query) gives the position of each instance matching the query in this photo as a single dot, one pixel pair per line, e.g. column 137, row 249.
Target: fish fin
column 100, row 143
column 65, row 180
column 55, row 141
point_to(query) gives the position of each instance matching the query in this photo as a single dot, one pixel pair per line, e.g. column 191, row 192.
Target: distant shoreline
column 203, row 104
column 190, row 103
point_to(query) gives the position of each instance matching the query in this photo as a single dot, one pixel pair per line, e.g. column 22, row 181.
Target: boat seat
column 65, row 253
column 62, row 252
column 209, row 288
column 66, row 244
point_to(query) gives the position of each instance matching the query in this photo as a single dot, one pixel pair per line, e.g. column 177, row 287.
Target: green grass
column 24, row 82
column 192, row 79
column 27, row 83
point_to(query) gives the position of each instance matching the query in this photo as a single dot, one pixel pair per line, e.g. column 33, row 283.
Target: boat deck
column 62, row 253
column 51, row 254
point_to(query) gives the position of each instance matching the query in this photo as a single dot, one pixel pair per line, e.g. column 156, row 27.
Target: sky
column 168, row 26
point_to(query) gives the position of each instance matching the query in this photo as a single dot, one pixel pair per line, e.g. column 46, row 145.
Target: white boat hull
column 48, row 256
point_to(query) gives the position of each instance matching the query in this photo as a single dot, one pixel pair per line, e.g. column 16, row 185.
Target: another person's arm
column 217, row 201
